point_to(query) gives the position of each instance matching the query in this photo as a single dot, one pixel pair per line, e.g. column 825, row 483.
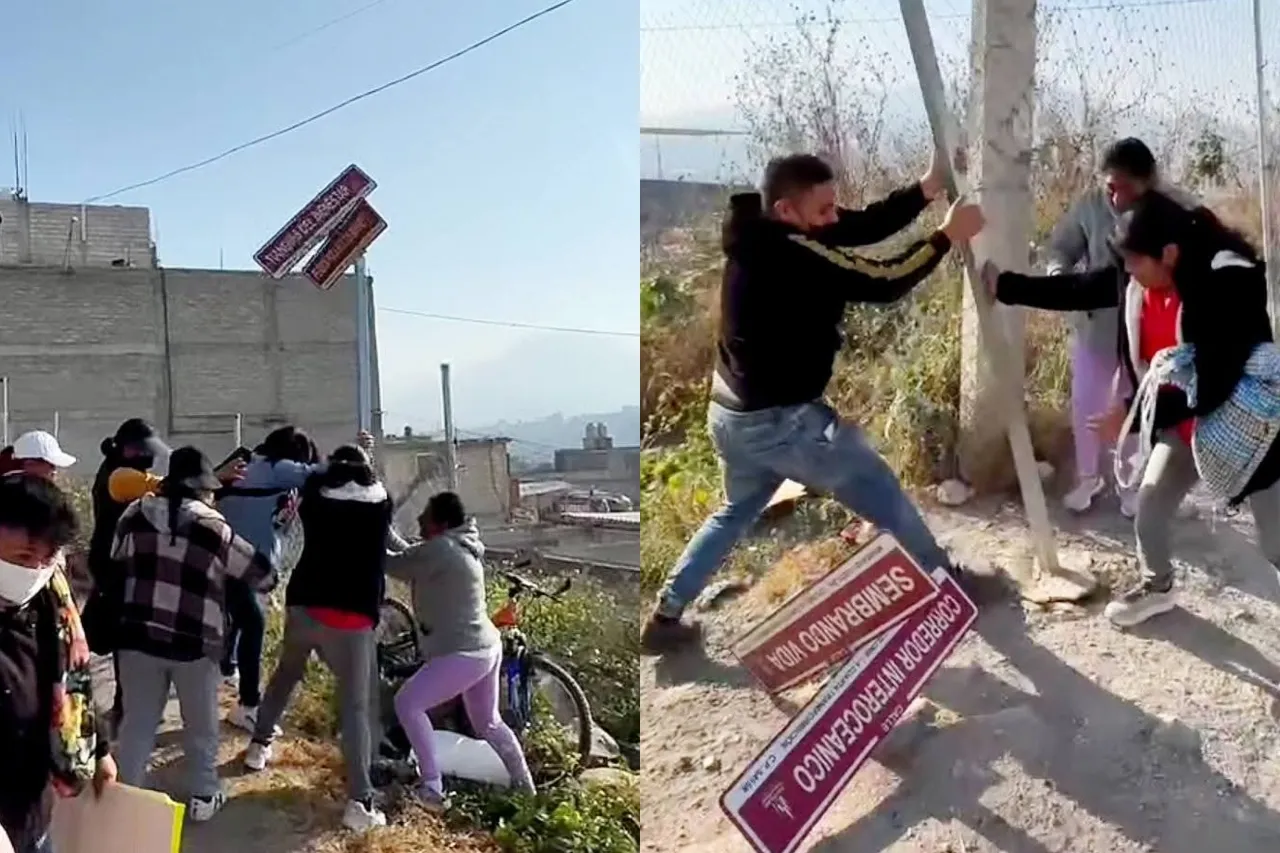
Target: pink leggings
column 475, row 679
column 1092, row 375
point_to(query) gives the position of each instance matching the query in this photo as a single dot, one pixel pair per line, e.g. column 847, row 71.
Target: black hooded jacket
column 784, row 293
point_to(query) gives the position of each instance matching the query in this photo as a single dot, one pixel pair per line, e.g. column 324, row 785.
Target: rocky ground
column 1048, row 730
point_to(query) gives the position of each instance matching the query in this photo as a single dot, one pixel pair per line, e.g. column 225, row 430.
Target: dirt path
column 1051, row 731
column 295, row 806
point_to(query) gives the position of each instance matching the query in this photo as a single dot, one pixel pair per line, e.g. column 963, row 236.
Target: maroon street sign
column 347, row 240
column 311, row 223
column 866, row 595
column 781, row 795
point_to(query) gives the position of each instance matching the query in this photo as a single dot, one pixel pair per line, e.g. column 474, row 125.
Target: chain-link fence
column 727, row 83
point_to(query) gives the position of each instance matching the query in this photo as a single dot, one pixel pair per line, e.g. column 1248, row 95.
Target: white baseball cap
column 39, row 444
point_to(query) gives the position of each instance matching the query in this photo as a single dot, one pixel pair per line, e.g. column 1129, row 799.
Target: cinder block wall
column 46, row 235
column 184, row 348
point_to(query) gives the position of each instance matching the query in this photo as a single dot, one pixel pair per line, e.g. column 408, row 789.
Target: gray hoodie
column 446, row 573
column 1081, row 240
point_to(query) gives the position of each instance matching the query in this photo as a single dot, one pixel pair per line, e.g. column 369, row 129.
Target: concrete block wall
column 44, row 234
column 186, row 349
column 484, row 478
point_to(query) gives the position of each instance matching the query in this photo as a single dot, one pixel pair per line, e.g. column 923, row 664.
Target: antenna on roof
column 17, row 169
column 25, row 185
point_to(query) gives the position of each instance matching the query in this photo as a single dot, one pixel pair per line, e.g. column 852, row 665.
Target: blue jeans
column 812, row 446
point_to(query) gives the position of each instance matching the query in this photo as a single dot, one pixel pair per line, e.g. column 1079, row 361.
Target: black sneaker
column 1141, row 603
column 662, row 634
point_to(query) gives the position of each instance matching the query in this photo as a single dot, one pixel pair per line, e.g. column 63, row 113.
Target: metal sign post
column 1265, row 176
column 996, row 343
column 364, row 351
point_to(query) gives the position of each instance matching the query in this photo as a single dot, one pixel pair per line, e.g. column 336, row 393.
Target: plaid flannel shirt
column 174, row 579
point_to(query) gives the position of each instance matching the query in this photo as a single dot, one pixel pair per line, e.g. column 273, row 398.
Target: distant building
column 596, row 465
column 418, row 464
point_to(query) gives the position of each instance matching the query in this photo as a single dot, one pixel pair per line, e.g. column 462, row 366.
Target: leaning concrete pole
column 992, row 370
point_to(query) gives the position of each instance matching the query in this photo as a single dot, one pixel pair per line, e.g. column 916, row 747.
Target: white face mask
column 18, row 584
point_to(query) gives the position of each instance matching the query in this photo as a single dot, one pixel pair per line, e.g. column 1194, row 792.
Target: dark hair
column 286, row 442
column 186, row 464
column 786, row 177
column 1156, row 221
column 445, row 508
column 37, row 506
column 348, row 464
column 1132, row 157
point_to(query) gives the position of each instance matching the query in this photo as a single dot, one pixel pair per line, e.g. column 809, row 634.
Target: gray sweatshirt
column 1080, row 240
column 446, row 574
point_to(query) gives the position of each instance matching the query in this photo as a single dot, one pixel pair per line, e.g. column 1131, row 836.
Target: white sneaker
column 1080, row 499
column 1140, row 604
column 1129, row 503
column 246, row 718
column 256, row 757
column 201, row 809
column 362, row 816
column 232, row 680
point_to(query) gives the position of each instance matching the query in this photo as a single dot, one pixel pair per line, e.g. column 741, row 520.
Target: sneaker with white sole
column 246, row 718
column 201, row 809
column 362, row 816
column 1080, row 499
column 1140, row 604
column 433, row 801
column 257, row 756
column 1129, row 503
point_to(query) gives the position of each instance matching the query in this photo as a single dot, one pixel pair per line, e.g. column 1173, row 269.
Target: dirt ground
column 294, row 806
column 1047, row 730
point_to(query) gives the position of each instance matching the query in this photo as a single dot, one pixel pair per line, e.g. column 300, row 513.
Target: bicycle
column 524, row 671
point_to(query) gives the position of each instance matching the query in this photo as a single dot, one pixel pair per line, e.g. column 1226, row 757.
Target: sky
column 507, row 177
column 694, row 58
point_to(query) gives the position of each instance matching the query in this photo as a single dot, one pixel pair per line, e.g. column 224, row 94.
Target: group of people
column 1145, row 267
column 181, row 554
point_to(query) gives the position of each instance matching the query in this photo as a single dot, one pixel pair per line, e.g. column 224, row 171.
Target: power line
column 327, row 24
column 512, row 324
column 336, row 107
column 944, row 16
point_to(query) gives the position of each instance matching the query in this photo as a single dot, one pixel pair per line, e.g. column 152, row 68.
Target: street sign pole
column 364, row 351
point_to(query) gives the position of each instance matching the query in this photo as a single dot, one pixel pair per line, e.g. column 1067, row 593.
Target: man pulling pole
column 790, row 273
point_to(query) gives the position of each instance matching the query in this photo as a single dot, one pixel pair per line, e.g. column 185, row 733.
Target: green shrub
column 570, row 817
column 597, row 641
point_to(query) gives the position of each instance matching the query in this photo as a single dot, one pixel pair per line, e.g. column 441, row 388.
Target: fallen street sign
column 860, row 599
column 792, row 783
column 311, row 223
column 345, row 242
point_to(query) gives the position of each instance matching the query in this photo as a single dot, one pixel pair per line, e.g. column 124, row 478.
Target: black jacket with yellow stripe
column 785, row 292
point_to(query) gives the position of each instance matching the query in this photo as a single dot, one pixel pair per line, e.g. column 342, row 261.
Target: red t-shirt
column 1158, row 330
column 339, row 620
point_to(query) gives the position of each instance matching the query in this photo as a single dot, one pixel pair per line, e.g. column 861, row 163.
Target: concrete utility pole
column 1003, row 55
column 992, row 370
column 450, row 438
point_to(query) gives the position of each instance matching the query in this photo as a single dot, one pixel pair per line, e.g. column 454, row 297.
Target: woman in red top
column 1180, row 277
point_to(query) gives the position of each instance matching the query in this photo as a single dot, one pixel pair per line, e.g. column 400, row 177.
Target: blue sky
column 508, row 176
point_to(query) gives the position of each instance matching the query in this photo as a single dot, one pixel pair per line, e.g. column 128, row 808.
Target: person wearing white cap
column 38, row 452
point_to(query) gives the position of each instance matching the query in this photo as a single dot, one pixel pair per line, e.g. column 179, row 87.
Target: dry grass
column 303, row 787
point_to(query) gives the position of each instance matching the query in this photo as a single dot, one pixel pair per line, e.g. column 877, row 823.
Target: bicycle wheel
column 396, row 635
column 565, row 698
